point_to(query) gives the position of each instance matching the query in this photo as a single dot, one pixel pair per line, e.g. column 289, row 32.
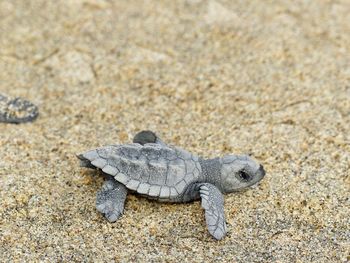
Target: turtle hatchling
column 167, row 173
column 17, row 110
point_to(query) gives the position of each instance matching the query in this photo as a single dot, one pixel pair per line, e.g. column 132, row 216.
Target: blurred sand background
column 268, row 78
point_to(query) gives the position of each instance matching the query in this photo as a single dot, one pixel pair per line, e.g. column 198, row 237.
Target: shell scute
column 154, row 190
column 99, row 162
column 164, row 192
column 143, row 188
column 133, row 184
column 108, row 169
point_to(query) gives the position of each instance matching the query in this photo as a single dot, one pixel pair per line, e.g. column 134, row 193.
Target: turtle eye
column 244, row 176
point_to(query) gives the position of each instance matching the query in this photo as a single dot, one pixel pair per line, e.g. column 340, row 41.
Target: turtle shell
column 151, row 169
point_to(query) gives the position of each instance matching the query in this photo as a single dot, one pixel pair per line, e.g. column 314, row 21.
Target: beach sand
column 266, row 78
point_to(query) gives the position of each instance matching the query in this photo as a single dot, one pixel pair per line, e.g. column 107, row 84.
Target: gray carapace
column 166, row 173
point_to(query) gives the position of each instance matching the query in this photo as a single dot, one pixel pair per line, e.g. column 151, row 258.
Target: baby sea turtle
column 166, row 173
column 17, row 110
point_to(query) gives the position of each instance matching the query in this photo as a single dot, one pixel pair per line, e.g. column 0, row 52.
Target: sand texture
column 266, row 78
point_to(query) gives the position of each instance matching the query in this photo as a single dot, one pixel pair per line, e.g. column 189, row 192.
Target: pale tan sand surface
column 268, row 78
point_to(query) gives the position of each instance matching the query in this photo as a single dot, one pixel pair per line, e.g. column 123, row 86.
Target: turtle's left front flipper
column 213, row 203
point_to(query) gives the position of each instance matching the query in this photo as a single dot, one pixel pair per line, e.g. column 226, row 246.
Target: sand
column 266, row 78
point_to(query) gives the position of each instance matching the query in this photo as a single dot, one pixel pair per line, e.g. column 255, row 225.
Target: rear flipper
column 144, row 137
column 85, row 162
column 110, row 199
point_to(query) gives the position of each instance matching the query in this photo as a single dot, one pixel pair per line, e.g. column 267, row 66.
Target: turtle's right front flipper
column 110, row 199
column 144, row 137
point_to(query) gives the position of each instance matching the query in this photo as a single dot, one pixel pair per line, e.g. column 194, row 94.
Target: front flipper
column 144, row 137
column 110, row 199
column 213, row 203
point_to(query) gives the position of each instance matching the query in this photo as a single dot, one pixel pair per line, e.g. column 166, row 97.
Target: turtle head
column 239, row 172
